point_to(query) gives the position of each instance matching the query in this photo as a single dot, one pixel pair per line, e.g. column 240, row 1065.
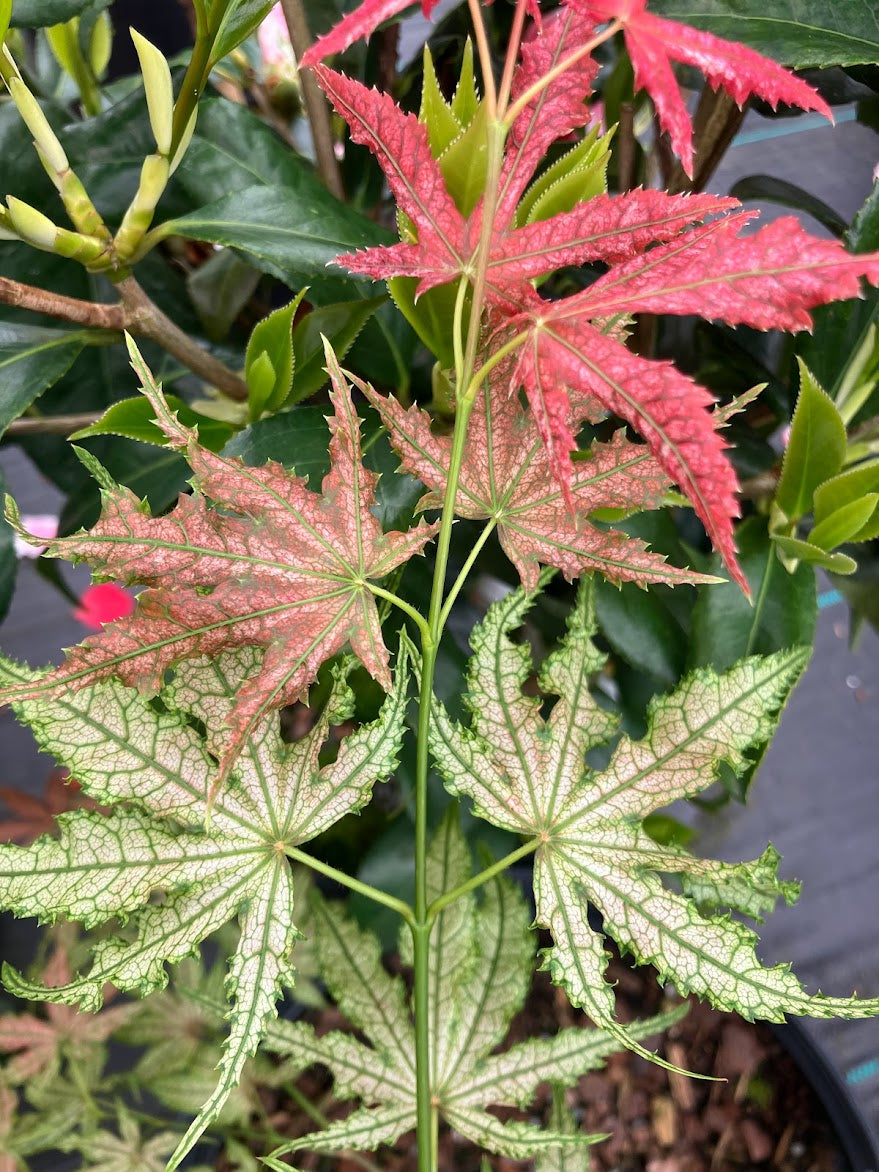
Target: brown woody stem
column 52, row 424
column 135, row 313
column 71, row 309
column 144, row 318
column 316, row 107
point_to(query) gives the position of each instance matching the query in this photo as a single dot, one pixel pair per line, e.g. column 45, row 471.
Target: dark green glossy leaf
column 815, row 451
column 241, row 18
column 795, row 32
column 133, row 419
column 340, row 324
column 640, row 627
column 43, row 13
column 726, row 627
column 292, row 233
column 220, row 289
column 789, row 195
column 8, row 560
column 32, row 359
column 840, row 330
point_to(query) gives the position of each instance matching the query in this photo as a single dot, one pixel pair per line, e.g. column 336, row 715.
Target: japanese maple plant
column 169, row 717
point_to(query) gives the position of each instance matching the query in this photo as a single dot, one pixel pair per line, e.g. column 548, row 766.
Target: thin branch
column 135, row 313
column 52, row 424
column 315, row 103
column 81, row 313
column 143, row 317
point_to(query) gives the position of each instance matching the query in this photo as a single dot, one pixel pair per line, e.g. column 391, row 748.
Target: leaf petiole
column 365, row 889
column 512, row 113
column 403, row 605
column 482, row 877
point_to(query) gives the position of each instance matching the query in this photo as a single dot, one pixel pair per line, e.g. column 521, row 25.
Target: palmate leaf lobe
column 654, row 43
column 152, row 766
column 527, row 773
column 362, row 22
column 506, row 478
column 252, row 558
column 480, row 969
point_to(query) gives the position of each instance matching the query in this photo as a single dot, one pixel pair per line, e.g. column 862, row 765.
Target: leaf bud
column 32, row 225
column 159, row 90
column 101, row 45
column 137, row 219
column 51, row 150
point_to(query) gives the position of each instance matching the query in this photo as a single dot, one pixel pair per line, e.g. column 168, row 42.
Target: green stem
column 483, row 877
column 197, row 73
column 404, row 606
column 458, row 584
column 365, row 889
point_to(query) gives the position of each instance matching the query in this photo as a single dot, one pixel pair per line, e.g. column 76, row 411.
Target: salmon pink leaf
column 151, row 765
column 526, row 771
column 363, row 21
column 506, row 477
column 653, row 43
column 254, row 557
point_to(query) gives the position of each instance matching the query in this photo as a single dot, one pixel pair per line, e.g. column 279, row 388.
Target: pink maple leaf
column 105, row 602
column 654, row 42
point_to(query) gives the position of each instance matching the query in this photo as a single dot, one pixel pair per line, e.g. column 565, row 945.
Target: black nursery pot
column 859, row 1147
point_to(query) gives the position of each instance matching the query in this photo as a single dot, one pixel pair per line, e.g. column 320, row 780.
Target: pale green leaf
column 480, row 967
column 815, row 450
column 153, row 767
column 526, row 771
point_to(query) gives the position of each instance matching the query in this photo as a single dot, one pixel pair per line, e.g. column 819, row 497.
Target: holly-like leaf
column 506, row 478
column 480, row 965
column 153, row 767
column 254, row 558
column 527, row 773
column 654, row 43
column 39, row 1045
column 363, row 21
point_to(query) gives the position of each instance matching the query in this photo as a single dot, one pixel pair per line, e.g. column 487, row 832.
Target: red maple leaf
column 252, row 558
column 363, row 21
column 659, row 262
column 37, row 1044
column 653, row 43
column 505, row 478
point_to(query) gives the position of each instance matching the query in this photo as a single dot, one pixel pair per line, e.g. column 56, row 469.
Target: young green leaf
column 480, row 967
column 526, row 773
column 268, row 363
column 153, row 768
column 267, row 563
column 795, row 550
column 846, row 523
column 815, row 451
column 844, row 489
column 135, row 419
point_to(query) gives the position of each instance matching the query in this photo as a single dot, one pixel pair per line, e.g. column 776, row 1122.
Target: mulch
column 762, row 1115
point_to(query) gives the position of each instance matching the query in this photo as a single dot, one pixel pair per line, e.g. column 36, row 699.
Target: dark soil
column 763, row 1115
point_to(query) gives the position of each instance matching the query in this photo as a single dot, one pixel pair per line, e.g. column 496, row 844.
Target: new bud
column 159, row 90
column 50, row 148
column 32, row 225
column 185, row 140
column 137, row 219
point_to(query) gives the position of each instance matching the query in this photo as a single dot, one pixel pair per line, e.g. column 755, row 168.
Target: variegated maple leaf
column 38, row 1046
column 481, row 962
column 654, row 43
column 528, row 773
column 252, row 558
column 152, row 766
column 506, row 479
